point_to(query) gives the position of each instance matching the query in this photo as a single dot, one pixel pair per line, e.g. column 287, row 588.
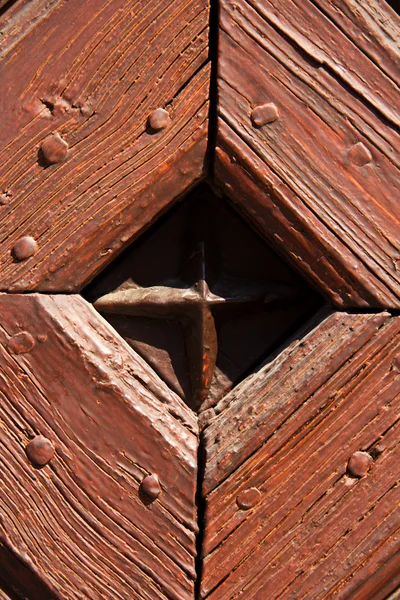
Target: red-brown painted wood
column 83, row 78
column 80, row 526
column 283, row 516
column 316, row 169
column 104, row 125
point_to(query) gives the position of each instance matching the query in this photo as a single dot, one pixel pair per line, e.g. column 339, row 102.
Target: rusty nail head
column 24, row 248
column 248, row 498
column 264, row 114
column 360, row 155
column 159, row 119
column 151, row 486
column 40, row 451
column 20, row 343
column 359, row 464
column 54, row 149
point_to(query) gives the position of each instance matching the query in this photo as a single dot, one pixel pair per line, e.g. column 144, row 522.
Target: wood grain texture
column 79, row 525
column 329, row 204
column 287, row 433
column 92, row 72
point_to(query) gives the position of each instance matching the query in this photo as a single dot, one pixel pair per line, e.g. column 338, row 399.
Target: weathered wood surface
column 311, row 529
column 92, row 72
column 320, row 178
column 80, row 527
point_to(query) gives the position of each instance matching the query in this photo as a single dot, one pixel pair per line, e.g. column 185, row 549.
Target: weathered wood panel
column 81, row 525
column 317, row 167
column 284, row 518
column 82, row 171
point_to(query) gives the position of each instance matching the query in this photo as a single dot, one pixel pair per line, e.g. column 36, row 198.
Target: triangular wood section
column 79, row 527
column 92, row 72
column 287, row 433
column 320, row 177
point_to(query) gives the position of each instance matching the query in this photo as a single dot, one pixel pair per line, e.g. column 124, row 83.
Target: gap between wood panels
column 212, row 140
column 201, row 506
column 213, row 112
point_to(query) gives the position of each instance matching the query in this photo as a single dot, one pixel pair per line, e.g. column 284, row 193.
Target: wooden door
column 282, row 480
